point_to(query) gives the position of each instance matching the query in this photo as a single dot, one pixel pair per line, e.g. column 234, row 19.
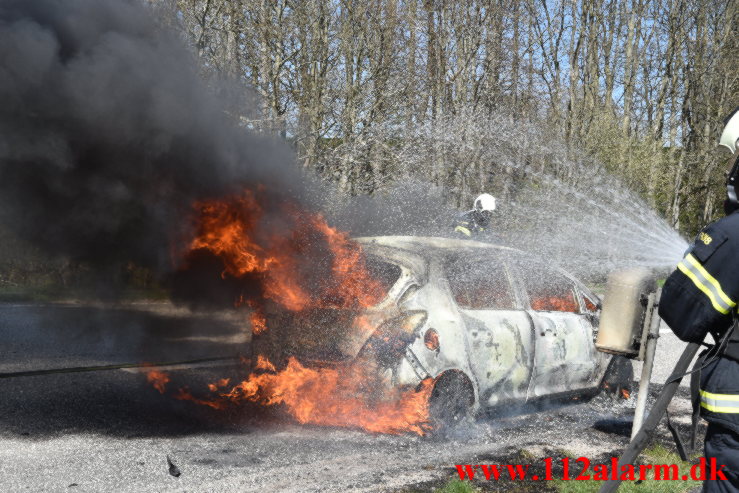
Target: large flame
column 297, row 261
column 289, row 261
column 334, row 397
column 345, row 397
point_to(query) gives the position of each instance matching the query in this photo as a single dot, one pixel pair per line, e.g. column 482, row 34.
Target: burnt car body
column 490, row 324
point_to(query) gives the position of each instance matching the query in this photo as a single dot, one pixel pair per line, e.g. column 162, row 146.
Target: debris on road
column 173, row 469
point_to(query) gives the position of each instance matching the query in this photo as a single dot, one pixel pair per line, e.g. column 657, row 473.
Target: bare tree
column 639, row 85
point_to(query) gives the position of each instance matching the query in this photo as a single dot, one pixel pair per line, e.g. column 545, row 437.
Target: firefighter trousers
column 723, row 445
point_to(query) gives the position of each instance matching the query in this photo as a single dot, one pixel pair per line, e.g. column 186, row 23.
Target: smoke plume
column 108, row 134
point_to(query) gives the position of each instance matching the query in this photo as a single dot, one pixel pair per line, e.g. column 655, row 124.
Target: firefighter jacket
column 468, row 225
column 700, row 297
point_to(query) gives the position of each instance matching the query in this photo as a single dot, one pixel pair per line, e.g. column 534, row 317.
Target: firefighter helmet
column 729, row 138
column 485, row 202
column 730, row 135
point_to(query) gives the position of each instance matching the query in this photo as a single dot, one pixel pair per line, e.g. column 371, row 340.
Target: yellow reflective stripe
column 721, row 397
column 703, row 288
column 717, row 301
column 711, row 279
column 464, row 230
column 720, row 403
column 720, row 409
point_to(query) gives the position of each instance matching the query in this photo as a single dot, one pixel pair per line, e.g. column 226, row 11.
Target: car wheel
column 618, row 380
column 451, row 402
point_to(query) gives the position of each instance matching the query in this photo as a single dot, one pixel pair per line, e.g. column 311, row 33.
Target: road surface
column 111, row 431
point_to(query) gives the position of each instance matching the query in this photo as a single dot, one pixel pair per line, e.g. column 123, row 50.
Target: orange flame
column 185, row 395
column 356, row 285
column 231, row 230
column 329, row 397
column 264, row 364
column 258, row 322
column 213, row 387
column 158, row 379
column 298, row 261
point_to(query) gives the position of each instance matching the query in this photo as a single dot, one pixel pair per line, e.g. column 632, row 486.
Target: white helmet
column 485, row 202
column 729, row 138
column 730, row 135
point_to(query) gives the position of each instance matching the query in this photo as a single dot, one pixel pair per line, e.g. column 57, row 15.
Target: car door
column 499, row 332
column 564, row 352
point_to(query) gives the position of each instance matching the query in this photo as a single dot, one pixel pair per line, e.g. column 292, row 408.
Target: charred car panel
column 514, row 328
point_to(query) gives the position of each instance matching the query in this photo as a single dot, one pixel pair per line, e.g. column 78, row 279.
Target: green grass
column 456, row 486
column 657, row 454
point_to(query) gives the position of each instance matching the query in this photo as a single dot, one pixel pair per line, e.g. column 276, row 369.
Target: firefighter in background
column 700, row 297
column 477, row 221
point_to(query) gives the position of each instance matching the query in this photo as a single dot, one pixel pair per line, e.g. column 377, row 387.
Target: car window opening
column 552, row 295
column 590, row 305
column 555, row 303
column 478, row 285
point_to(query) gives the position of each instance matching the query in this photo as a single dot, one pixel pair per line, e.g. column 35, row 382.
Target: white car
column 490, row 324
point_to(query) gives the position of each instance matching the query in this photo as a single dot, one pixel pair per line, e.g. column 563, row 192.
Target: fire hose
column 80, row 369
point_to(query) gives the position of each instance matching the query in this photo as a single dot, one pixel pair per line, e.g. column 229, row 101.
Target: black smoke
column 108, row 134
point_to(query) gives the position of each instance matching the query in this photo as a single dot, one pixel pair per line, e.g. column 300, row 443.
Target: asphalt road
column 111, row 431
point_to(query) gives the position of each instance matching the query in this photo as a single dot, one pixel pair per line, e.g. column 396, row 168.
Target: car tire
column 619, row 377
column 451, row 402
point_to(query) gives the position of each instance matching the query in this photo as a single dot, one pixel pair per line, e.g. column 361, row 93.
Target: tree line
column 640, row 85
column 470, row 96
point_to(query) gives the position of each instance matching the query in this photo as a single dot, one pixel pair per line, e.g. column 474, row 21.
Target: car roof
column 425, row 246
column 435, row 245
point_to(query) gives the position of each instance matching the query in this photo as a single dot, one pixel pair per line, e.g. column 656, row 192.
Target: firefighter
column 700, row 297
column 477, row 221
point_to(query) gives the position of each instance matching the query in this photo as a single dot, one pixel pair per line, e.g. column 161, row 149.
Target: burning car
column 487, row 324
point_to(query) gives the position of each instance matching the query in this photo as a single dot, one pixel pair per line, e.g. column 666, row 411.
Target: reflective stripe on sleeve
column 720, row 403
column 463, row 230
column 706, row 283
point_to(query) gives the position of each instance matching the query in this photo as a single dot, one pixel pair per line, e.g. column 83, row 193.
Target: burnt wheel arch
column 451, row 402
